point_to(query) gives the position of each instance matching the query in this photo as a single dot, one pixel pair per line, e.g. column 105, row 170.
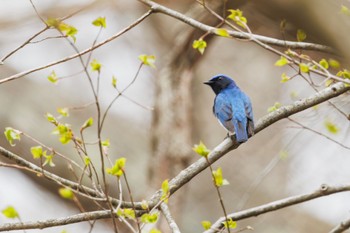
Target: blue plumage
column 232, row 107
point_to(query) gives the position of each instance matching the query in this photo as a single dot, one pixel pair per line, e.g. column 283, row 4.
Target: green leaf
column 144, row 204
column 87, row 123
column 304, row 68
column 331, row 127
column 66, row 193
column 118, row 168
column 344, row 73
column 52, row 22
column 334, row 63
column 48, row 159
column 230, row 224
column 324, row 63
column 345, row 10
column 200, row 45
column 10, row 212
column 37, row 152
column 11, row 135
column 53, row 77
column 165, row 191
column 201, row 149
column 283, row 154
column 284, row 78
column 95, row 65
column 222, row 32
column 126, row 213
column 237, row 17
column 219, row 180
column 106, row 143
column 114, row 81
column 148, row 60
column 282, row 61
column 149, row 218
column 68, row 30
column 155, row 231
column 65, row 133
column 51, row 118
column 87, row 160
column 276, row 106
column 100, row 22
column 206, row 225
column 301, row 35
column 63, row 111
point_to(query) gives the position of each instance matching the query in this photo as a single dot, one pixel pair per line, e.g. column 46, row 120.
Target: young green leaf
column 118, row 168
column 66, row 193
column 53, row 77
column 345, row 10
column 201, row 149
column 126, row 213
column 37, row 152
column 344, row 73
column 282, row 61
column 276, row 106
column 51, row 118
column 149, row 218
column 65, row 133
column 206, row 225
column 48, row 159
column 301, row 35
column 230, row 224
column 165, row 191
column 284, row 78
column 114, row 81
column 218, row 178
column 10, row 212
column 87, row 160
column 304, row 68
column 334, row 63
column 63, row 111
column 324, row 63
column 95, row 65
column 100, row 22
column 200, row 45
column 283, row 154
column 222, row 32
column 87, row 123
column 68, row 30
column 237, row 17
column 331, row 127
column 11, row 135
column 148, row 60
column 154, row 230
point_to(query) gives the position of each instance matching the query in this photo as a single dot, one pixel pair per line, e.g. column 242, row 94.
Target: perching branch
column 166, row 212
column 228, row 144
column 324, row 190
column 343, row 226
column 239, row 35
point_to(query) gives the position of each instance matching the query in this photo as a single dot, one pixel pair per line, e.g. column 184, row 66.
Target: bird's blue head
column 220, row 82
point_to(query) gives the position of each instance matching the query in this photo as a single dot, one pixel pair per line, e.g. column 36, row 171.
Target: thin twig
column 166, row 212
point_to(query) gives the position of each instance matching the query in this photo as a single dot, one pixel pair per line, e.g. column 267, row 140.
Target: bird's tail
column 241, row 132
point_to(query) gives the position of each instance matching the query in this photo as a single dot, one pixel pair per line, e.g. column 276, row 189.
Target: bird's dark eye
column 220, row 78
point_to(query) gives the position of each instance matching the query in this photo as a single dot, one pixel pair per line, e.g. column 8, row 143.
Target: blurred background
column 172, row 110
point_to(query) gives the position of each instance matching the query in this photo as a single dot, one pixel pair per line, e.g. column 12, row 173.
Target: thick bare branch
column 240, row 35
column 324, row 190
column 172, row 224
column 343, row 226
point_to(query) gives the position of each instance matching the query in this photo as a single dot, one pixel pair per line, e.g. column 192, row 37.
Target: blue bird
column 232, row 107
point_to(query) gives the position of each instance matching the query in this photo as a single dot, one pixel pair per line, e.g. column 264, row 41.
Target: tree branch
column 343, row 226
column 324, row 190
column 230, row 144
column 172, row 224
column 239, row 35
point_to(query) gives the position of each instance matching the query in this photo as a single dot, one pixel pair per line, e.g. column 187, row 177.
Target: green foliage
column 51, row 118
column 324, row 63
column 10, row 212
column 344, row 73
column 284, row 78
column 87, row 160
column 206, row 225
column 200, row 45
column 105, row 146
column 237, row 17
column 11, row 135
column 149, row 218
column 48, row 159
column 95, row 66
column 201, row 149
column 301, row 35
column 282, row 61
column 144, row 204
column 64, row 131
column 118, row 168
column 100, row 22
column 148, row 60
column 155, row 231
column 66, row 193
column 126, row 213
column 304, row 68
column 230, row 224
column 37, row 152
column 63, row 112
column 283, row 154
column 66, row 29
column 114, row 81
column 165, row 191
column 273, row 108
column 222, row 32
column 331, row 127
column 345, row 10
column 87, row 123
column 53, row 77
column 218, row 178
column 334, row 63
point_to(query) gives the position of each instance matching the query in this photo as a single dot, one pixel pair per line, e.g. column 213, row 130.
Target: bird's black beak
column 208, row 83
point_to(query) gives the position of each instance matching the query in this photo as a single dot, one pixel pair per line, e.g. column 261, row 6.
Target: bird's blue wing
column 222, row 109
column 249, row 114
